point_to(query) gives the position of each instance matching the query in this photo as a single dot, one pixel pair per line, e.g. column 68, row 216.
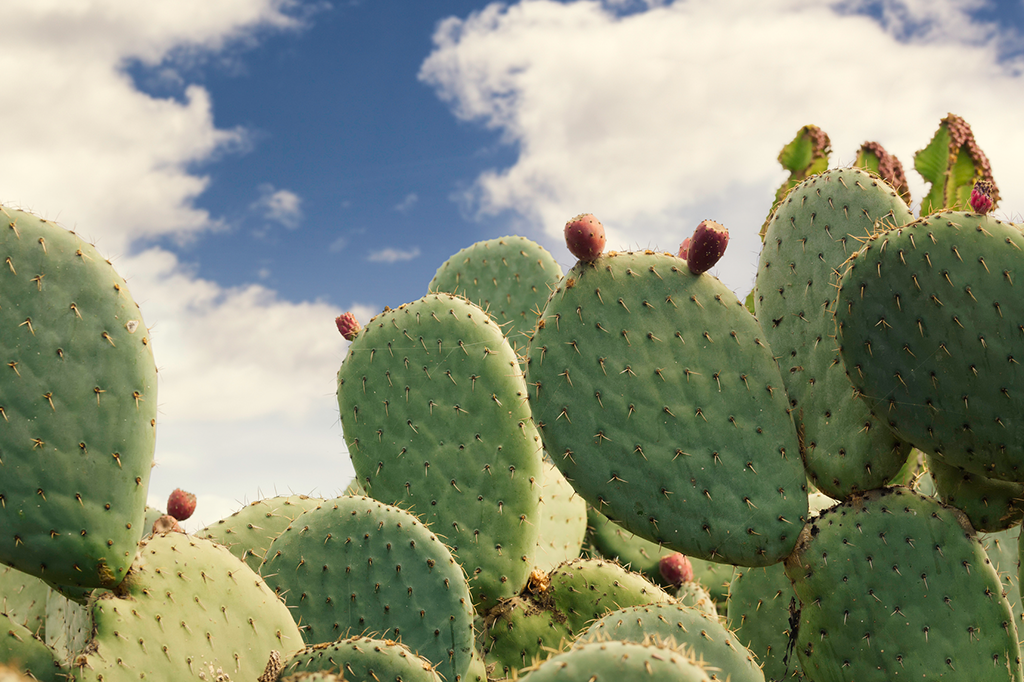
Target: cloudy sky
column 255, row 167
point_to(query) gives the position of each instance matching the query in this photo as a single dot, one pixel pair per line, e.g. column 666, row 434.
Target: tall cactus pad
column 891, row 583
column 704, row 635
column 354, row 565
column 820, row 224
column 434, row 411
column 187, row 607
column 617, row 661
column 662, row 405
column 929, row 320
column 363, row 658
column 509, row 277
column 952, row 162
column 77, row 408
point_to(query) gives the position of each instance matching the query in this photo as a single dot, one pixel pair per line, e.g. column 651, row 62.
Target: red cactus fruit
column 981, row 197
column 676, row 569
column 584, row 236
column 166, row 524
column 707, row 245
column 684, row 248
column 181, row 504
column 348, row 325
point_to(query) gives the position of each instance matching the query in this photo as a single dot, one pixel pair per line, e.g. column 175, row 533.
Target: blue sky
column 255, row 167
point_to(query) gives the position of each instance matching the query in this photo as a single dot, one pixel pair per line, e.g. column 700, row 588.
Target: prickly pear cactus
column 952, row 162
column 890, row 583
column 249, row 531
column 615, row 661
column 509, row 277
column 929, row 324
column 362, row 658
column 814, row 230
column 356, row 565
column 433, row 407
column 704, row 635
column 23, row 598
column 77, row 407
column 189, row 607
column 661, row 403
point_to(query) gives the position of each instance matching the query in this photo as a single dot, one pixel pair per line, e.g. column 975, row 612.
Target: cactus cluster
column 620, row 471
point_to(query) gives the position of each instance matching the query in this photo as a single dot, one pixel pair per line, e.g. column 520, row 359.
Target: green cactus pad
column 69, row 627
column 363, row 658
column 77, row 408
column 249, row 531
column 555, row 608
column 952, row 162
column 357, row 566
column 819, row 225
column 663, row 406
column 761, row 602
column 509, row 277
column 23, row 598
column 890, row 583
column 694, row 595
column 188, row 607
column 434, row 411
column 929, row 320
column 563, row 521
column 990, row 505
column 617, row 661
column 691, row 628
column 26, row 652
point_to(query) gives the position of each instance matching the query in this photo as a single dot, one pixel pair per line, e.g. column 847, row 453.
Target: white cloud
column 281, row 206
column 390, row 255
column 658, row 119
column 246, row 380
column 406, row 204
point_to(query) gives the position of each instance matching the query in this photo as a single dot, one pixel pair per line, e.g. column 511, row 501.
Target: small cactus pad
column 951, row 163
column 892, row 581
column 23, row 598
column 555, row 608
column 695, row 630
column 509, row 277
column 434, row 411
column 26, row 652
column 617, row 661
column 990, row 505
column 761, row 601
column 819, row 225
column 249, row 531
column 187, row 606
column 355, row 565
column 363, row 658
column 663, row 406
column 873, row 157
column 77, row 408
column 806, row 155
column 929, row 322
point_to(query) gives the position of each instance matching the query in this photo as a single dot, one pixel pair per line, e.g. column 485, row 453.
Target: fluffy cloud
column 281, row 206
column 390, row 255
column 657, row 119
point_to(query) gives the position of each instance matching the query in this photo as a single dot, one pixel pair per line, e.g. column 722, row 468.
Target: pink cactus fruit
column 348, row 325
column 676, row 569
column 684, row 248
column 166, row 524
column 584, row 236
column 707, row 245
column 981, row 197
column 181, row 504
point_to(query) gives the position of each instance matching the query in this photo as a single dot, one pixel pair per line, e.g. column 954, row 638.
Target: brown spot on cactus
column 707, row 246
column 166, row 524
column 348, row 325
column 584, row 237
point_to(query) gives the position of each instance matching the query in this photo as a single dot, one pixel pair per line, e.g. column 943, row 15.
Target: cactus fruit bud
column 981, row 197
column 584, row 236
column 348, row 325
column 707, row 245
column 166, row 524
column 684, row 248
column 181, row 504
column 676, row 569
